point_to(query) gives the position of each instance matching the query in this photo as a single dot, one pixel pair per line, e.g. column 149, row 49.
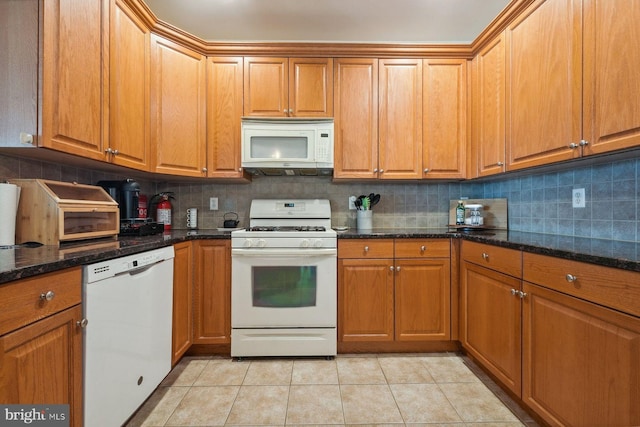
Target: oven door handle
column 284, row 252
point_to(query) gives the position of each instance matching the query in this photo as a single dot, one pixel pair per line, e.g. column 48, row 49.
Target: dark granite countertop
column 608, row 253
column 21, row 262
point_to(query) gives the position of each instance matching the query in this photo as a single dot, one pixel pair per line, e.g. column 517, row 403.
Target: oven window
column 284, row 286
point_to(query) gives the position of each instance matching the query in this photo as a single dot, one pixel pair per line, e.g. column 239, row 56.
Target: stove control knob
column 248, row 243
column 262, row 243
column 305, row 243
column 317, row 243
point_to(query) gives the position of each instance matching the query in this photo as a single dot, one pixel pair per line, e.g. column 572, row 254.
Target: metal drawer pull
column 571, row 278
column 47, row 296
column 366, row 248
column 485, row 256
column 423, row 248
column 82, row 323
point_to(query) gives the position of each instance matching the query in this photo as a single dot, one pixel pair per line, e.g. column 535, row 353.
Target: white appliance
column 127, row 341
column 287, row 146
column 284, row 281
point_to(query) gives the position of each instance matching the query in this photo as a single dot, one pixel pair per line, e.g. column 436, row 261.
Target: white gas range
column 284, row 281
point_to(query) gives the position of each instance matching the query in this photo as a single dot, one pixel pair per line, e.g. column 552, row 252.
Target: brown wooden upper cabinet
column 571, row 81
column 400, row 118
column 128, row 143
column 444, row 113
column 74, row 77
column 178, row 116
column 488, row 110
column 288, row 87
column 224, row 112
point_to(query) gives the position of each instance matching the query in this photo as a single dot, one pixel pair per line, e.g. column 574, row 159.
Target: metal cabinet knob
column 366, row 248
column 485, row 256
column 514, row 292
column 108, row 150
column 398, row 268
column 239, row 169
column 573, row 146
column 583, row 143
column 48, row 296
column 381, row 170
column 391, row 268
column 423, row 248
column 82, row 323
column 205, row 170
column 425, row 170
column 375, row 170
column 523, row 294
column 500, row 163
column 571, row 278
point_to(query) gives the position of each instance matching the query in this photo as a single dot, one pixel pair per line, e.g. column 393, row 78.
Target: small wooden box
column 51, row 212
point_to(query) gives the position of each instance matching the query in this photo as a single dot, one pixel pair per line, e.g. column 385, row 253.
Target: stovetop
column 280, row 228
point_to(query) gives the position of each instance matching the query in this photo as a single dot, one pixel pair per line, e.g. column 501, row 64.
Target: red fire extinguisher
column 163, row 212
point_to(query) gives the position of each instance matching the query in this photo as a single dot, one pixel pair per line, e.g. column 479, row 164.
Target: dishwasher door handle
column 139, row 270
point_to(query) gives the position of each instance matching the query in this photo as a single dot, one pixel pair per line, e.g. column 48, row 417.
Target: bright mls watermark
column 34, row 415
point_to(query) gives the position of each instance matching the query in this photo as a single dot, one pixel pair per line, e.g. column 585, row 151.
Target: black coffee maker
column 126, row 193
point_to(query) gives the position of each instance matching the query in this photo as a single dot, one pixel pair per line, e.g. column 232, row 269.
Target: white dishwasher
column 127, row 341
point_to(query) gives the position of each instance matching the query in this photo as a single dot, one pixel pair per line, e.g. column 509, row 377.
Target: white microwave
column 288, row 146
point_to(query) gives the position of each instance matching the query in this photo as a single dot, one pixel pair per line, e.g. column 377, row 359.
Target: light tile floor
column 443, row 389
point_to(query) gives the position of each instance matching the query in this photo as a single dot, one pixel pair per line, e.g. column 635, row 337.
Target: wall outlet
column 352, row 203
column 213, row 203
column 579, row 198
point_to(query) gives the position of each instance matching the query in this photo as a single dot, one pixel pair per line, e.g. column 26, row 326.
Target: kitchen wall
column 538, row 201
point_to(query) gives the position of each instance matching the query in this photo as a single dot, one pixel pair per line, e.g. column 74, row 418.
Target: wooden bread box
column 52, row 212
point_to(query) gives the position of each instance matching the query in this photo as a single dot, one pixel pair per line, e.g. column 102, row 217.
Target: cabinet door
column 444, row 129
column 356, row 118
column 580, row 361
column 178, row 119
column 490, row 322
column 42, row 363
column 182, row 300
column 212, row 292
column 422, row 299
column 488, row 113
column 365, row 300
column 224, row 111
column 128, row 89
column 311, row 87
column 611, row 63
column 75, row 76
column 400, row 119
column 265, row 87
column 544, row 91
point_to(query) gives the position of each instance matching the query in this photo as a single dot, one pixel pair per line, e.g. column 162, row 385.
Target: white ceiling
column 337, row 21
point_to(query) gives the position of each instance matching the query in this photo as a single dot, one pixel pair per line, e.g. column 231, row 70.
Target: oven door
column 275, row 288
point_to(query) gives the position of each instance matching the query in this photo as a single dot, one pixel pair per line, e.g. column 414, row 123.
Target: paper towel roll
column 9, row 196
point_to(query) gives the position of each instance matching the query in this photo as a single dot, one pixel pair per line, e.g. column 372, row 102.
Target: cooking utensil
column 375, row 198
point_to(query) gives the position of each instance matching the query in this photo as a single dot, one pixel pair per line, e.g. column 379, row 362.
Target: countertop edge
column 47, row 259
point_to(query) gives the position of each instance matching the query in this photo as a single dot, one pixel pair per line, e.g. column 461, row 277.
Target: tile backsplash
column 538, row 201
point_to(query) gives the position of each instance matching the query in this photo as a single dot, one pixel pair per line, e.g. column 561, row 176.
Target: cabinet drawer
column 611, row 287
column 24, row 300
column 504, row 260
column 423, row 248
column 366, row 248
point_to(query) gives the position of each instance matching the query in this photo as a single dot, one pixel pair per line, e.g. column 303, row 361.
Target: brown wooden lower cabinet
column 490, row 325
column 41, row 342
column 42, row 363
column 212, row 292
column 581, row 361
column 393, row 292
column 182, row 300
